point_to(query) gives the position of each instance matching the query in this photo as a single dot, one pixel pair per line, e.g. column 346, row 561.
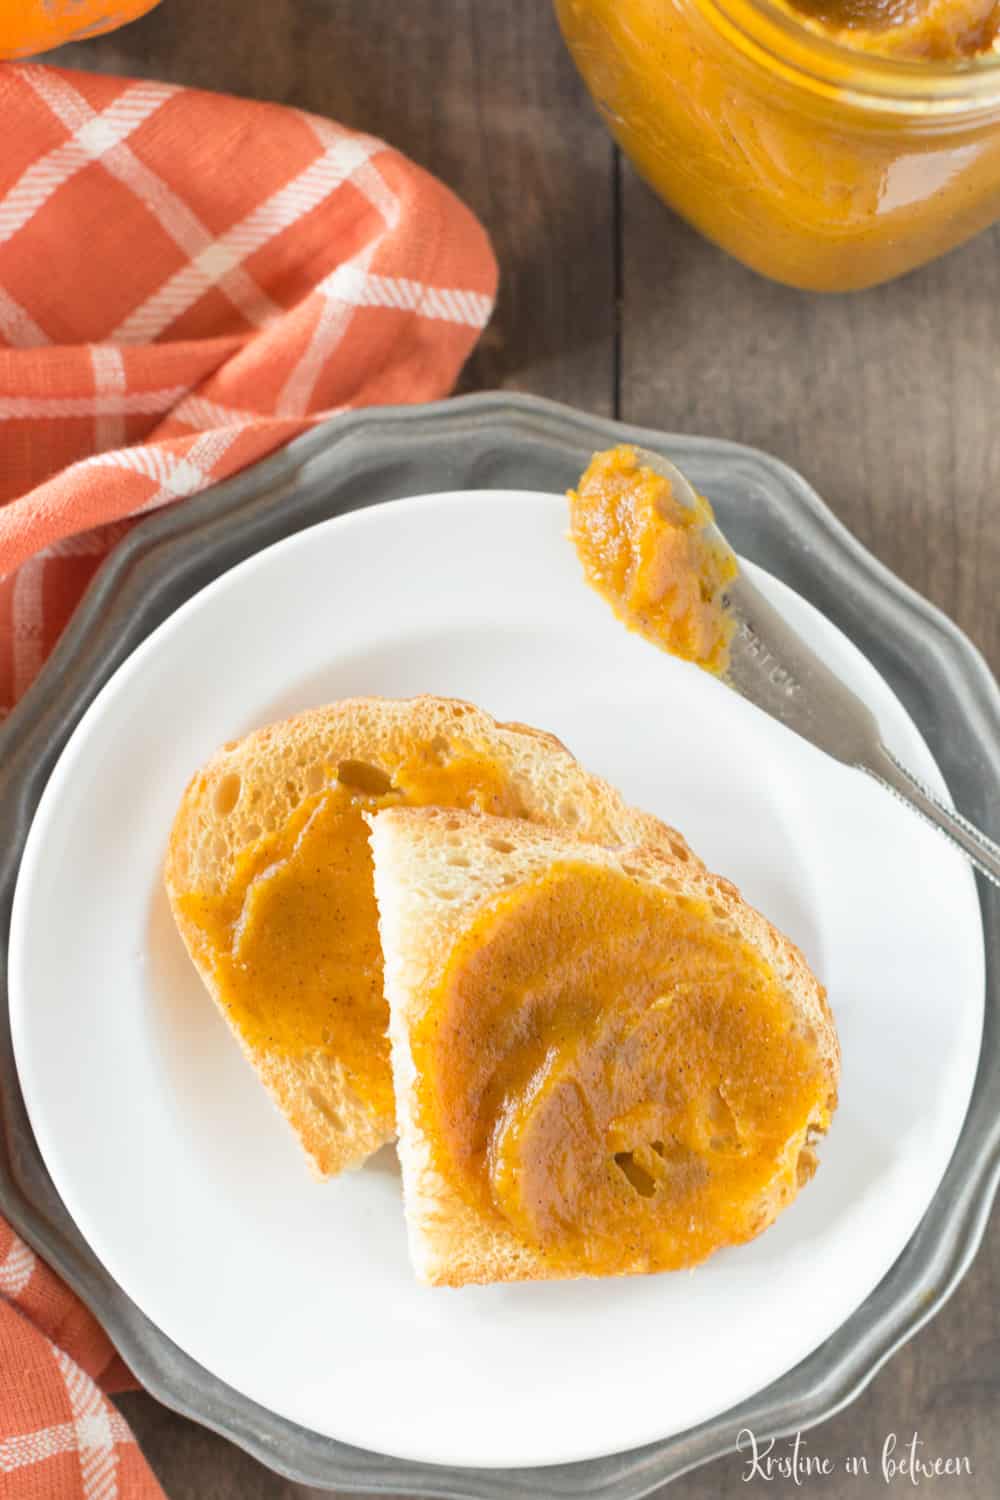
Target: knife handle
column 974, row 844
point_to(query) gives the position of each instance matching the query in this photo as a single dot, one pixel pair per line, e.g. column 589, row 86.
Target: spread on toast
column 269, row 877
column 615, row 1073
column 606, row 1062
column 293, row 936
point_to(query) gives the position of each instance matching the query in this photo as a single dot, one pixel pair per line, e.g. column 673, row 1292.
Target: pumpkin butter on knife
column 653, row 559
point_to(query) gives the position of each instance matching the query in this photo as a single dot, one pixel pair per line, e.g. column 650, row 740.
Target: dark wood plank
column 886, row 401
column 482, row 94
column 192, row 1463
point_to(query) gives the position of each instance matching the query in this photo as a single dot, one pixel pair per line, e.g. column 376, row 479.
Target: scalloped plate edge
column 167, row 558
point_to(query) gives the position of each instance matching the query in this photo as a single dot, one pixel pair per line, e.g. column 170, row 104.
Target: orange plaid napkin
column 186, row 282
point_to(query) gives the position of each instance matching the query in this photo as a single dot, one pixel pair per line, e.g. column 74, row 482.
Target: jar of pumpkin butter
column 829, row 144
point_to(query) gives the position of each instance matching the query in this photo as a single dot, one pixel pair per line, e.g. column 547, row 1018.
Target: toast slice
column 335, row 1088
column 449, row 889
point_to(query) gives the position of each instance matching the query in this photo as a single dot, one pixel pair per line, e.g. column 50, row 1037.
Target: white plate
column 192, row 1190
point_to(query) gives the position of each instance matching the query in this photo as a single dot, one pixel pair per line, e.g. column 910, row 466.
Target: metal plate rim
column 174, row 550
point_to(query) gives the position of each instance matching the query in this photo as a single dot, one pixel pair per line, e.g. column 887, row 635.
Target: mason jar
column 812, row 160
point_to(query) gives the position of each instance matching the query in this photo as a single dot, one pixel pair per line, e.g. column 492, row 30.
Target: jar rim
column 774, row 34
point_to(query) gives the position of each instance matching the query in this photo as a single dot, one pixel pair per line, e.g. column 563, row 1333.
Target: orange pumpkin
column 29, row 26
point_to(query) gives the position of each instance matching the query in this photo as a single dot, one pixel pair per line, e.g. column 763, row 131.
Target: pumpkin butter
column 653, row 559
column 913, row 29
column 829, row 144
column 607, row 1066
column 293, row 938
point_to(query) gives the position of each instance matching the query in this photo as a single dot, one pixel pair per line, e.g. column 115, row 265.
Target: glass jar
column 820, row 166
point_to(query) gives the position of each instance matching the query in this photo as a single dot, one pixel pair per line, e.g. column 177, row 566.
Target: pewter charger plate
column 486, row 442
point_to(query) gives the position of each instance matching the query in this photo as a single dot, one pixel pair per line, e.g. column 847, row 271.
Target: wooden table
column 888, row 401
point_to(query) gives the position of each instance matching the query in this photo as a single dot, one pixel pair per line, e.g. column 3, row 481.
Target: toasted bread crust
column 421, row 917
column 253, row 785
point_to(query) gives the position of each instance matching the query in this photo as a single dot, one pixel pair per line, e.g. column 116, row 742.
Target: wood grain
column 887, row 401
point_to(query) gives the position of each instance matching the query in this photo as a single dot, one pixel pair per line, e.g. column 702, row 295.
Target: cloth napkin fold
column 187, row 281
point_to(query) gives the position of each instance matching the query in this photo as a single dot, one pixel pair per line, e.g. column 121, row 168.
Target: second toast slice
column 605, row 1061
